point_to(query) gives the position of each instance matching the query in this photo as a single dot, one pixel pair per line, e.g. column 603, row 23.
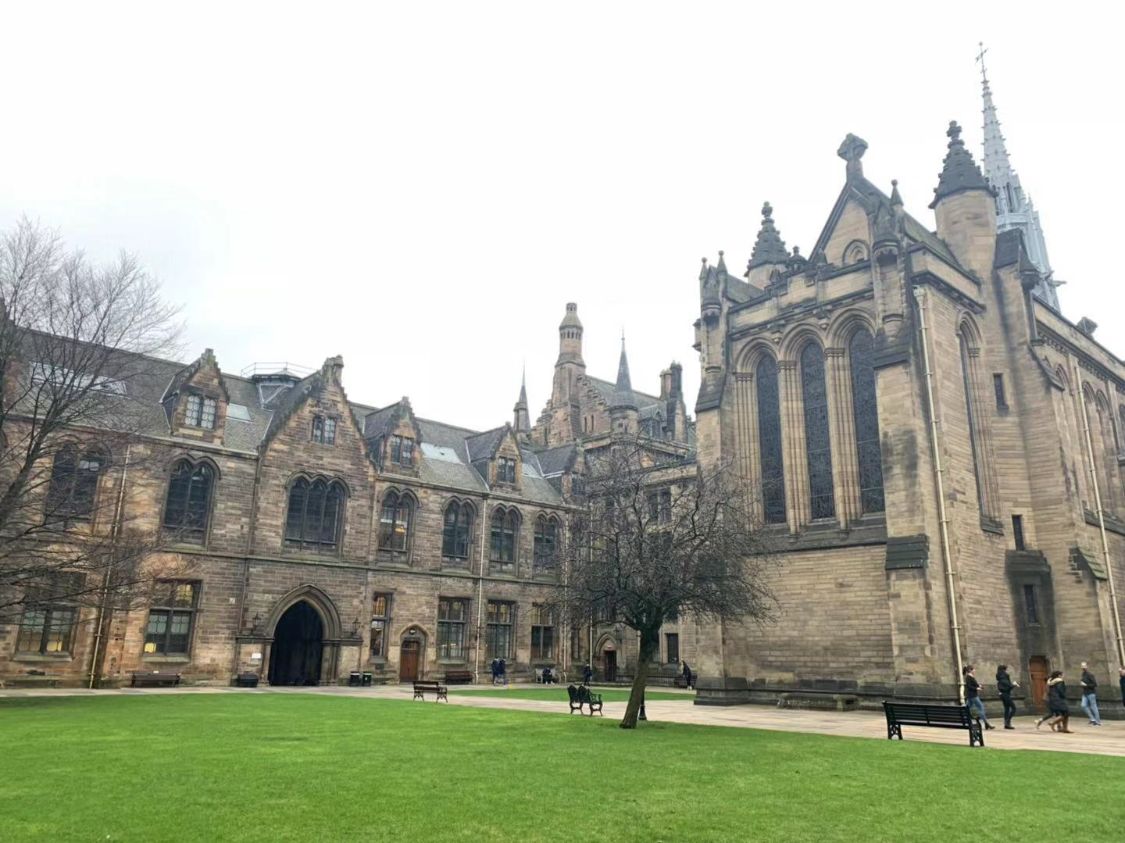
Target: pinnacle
column 769, row 248
column 959, row 172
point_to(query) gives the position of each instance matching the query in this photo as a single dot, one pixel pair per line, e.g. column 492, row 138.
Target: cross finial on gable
column 851, row 150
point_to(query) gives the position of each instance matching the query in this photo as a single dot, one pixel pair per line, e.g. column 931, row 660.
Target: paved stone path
column 1104, row 740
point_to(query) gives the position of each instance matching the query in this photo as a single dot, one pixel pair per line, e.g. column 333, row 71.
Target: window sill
column 42, row 657
column 453, row 663
column 991, row 525
column 156, row 658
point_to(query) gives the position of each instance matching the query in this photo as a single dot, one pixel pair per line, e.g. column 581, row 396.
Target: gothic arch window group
column 315, row 514
column 865, row 415
column 546, row 550
column 187, row 507
column 457, row 531
column 769, row 441
column 977, row 424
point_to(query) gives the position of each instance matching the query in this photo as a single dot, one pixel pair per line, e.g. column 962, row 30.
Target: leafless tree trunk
column 78, row 344
column 660, row 539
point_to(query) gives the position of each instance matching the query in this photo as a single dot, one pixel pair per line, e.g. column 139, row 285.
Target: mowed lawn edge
column 303, row 767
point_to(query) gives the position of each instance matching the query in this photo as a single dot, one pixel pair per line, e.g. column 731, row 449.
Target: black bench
column 458, row 677
column 155, row 678
column 432, row 686
column 937, row 716
column 581, row 696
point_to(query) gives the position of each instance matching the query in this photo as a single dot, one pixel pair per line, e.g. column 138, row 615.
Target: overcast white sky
column 422, row 187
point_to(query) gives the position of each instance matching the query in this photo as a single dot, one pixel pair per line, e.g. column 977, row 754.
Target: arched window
column 188, row 506
column 818, row 445
column 769, row 442
column 394, row 522
column 316, row 510
column 504, row 533
column 967, row 384
column 1121, row 429
column 865, row 411
column 74, row 481
column 456, row 533
column 546, row 542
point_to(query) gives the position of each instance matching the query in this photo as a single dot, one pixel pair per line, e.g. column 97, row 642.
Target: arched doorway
column 298, row 643
column 411, row 656
column 609, row 661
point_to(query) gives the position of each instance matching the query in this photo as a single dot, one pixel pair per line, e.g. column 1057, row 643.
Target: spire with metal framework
column 1014, row 208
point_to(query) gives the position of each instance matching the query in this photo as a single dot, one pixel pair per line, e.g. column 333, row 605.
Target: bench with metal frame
column 934, row 716
column 430, row 686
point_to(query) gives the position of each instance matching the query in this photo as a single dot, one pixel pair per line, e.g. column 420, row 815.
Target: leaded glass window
column 865, row 411
column 200, row 411
column 188, row 505
column 47, row 625
column 769, row 442
column 546, row 542
column 499, row 632
column 453, row 616
column 542, row 634
column 316, row 509
column 168, row 632
column 74, row 480
column 967, row 384
column 456, row 533
column 818, row 443
column 380, row 618
column 394, row 522
column 504, row 532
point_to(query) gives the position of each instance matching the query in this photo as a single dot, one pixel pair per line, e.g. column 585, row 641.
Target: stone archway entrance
column 411, row 656
column 298, row 645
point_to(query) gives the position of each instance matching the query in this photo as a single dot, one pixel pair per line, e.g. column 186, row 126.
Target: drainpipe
column 115, row 530
column 939, row 480
column 480, row 594
column 1101, row 514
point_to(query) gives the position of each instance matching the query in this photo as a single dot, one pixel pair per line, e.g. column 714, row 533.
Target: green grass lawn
column 306, row 767
column 558, row 692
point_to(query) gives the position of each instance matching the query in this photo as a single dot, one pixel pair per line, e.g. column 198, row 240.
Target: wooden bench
column 155, row 679
column 458, row 677
column 432, row 686
column 936, row 716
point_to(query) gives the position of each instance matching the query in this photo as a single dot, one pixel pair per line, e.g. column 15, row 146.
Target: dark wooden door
column 1038, row 668
column 408, row 661
column 610, row 665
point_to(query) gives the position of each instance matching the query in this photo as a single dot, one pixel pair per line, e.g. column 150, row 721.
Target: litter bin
column 247, row 680
column 354, row 678
column 366, row 677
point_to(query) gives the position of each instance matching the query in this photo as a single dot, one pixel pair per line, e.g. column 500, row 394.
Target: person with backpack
column 1090, row 696
column 1004, row 686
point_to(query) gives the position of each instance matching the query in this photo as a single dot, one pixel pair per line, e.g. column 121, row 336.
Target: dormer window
column 200, row 412
column 324, row 430
column 402, row 450
column 505, row 470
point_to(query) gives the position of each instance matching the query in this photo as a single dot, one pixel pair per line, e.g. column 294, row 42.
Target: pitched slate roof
column 606, row 389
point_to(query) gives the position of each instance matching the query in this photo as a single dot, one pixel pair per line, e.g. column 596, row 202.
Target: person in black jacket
column 972, row 697
column 1004, row 686
column 1121, row 671
column 1058, row 710
column 1090, row 696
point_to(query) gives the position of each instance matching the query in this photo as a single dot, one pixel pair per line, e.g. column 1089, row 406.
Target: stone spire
column 623, row 397
column 1014, row 208
column 959, row 172
column 769, row 248
column 522, row 421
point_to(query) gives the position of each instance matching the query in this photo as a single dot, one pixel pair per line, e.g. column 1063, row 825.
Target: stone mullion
column 749, row 463
column 845, row 460
column 793, row 444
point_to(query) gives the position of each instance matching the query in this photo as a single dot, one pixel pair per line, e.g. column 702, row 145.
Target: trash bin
column 354, row 678
column 366, row 677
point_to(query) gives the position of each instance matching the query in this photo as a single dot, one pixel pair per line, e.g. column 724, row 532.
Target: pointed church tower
column 623, row 406
column 964, row 207
column 769, row 251
column 521, row 423
column 1014, row 208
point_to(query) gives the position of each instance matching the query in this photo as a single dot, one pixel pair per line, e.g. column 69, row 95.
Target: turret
column 623, row 413
column 570, row 363
column 965, row 208
column 769, row 252
column 521, row 422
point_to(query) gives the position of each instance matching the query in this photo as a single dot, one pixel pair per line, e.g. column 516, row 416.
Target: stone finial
column 896, row 197
column 721, row 266
column 851, row 150
column 769, row 247
column 703, row 270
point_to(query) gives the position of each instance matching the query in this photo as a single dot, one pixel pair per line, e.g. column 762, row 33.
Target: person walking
column 1058, row 709
column 1004, row 686
column 495, row 667
column 687, row 675
column 1090, row 695
column 587, row 674
column 972, row 697
column 502, row 669
column 1121, row 671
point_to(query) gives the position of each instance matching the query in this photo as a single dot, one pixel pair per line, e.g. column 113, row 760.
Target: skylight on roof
column 239, row 412
column 438, row 452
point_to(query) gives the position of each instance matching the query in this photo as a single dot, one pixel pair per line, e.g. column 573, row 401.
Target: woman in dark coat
column 1004, row 686
column 1056, row 703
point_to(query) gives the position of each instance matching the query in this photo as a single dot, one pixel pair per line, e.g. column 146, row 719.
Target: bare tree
column 78, row 343
column 661, row 540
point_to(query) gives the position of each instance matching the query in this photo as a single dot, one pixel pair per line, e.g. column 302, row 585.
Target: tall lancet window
column 866, row 414
column 818, row 445
column 967, row 382
column 769, row 442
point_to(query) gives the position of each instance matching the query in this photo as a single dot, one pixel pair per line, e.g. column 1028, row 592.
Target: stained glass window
column 818, row 444
column 769, row 442
column 866, row 413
